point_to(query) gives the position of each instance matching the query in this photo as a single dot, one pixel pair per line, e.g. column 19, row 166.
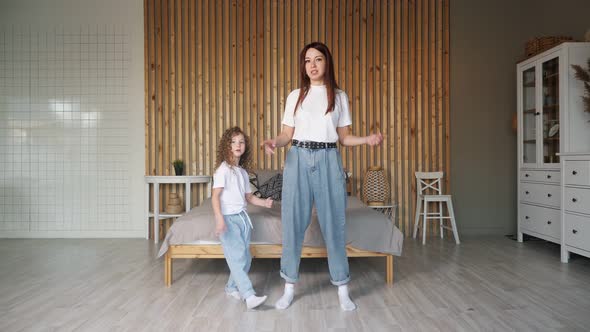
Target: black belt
column 313, row 145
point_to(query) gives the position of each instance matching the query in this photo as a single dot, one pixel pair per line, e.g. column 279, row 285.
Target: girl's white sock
column 254, row 301
column 345, row 301
column 285, row 301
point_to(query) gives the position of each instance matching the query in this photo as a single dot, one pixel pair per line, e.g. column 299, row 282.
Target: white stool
column 432, row 180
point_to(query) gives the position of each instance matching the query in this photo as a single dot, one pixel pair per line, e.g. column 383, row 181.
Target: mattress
column 366, row 228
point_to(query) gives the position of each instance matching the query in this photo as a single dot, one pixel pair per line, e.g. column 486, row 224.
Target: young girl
column 316, row 117
column 231, row 192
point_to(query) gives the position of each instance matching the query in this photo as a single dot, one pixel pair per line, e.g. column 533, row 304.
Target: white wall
column 71, row 118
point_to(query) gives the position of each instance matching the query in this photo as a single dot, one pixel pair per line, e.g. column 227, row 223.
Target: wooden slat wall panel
column 213, row 64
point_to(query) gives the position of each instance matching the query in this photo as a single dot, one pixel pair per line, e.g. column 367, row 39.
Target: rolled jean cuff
column 341, row 282
column 288, row 279
column 233, row 289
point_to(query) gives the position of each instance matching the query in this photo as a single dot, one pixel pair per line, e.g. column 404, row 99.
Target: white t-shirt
column 235, row 183
column 311, row 121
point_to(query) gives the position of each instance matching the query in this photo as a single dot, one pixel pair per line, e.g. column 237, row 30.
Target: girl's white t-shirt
column 311, row 121
column 235, row 183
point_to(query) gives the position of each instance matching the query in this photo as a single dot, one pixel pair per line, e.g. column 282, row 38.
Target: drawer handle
column 549, row 222
column 575, row 172
column 574, row 200
column 574, row 231
column 526, row 217
column 548, row 195
column 526, row 192
column 537, row 113
column 549, row 176
column 526, row 175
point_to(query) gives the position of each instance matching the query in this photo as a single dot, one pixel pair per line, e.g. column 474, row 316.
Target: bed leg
column 389, row 269
column 168, row 270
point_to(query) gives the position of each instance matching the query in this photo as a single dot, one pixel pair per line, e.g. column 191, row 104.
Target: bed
column 369, row 234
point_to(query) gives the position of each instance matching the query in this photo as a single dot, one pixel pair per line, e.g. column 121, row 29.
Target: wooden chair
column 432, row 181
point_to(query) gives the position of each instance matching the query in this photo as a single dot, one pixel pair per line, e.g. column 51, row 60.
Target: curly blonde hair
column 224, row 149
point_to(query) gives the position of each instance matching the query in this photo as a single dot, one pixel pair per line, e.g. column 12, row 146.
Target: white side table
column 156, row 181
column 390, row 211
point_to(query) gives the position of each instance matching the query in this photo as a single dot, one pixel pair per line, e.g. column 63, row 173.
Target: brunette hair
column 329, row 78
column 224, row 149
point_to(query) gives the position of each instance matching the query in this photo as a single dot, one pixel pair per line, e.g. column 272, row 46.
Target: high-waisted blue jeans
column 314, row 177
column 236, row 249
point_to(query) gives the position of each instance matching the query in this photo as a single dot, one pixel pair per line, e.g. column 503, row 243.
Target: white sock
column 254, row 301
column 285, row 301
column 345, row 302
column 235, row 294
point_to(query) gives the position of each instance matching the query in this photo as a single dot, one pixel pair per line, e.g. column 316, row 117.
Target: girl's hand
column 270, row 145
column 268, row 202
column 374, row 139
column 220, row 228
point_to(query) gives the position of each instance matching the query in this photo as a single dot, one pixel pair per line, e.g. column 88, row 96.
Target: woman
column 316, row 117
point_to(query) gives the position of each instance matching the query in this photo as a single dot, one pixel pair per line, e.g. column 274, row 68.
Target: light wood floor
column 486, row 283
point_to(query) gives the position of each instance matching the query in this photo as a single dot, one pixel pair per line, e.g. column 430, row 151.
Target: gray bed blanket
column 366, row 228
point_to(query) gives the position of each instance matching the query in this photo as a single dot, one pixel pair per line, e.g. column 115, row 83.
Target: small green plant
column 584, row 75
column 178, row 166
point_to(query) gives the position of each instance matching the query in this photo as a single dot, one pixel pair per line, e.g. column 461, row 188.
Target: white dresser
column 575, row 212
column 540, row 204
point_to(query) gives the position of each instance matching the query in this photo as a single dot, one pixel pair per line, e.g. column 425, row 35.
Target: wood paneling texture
column 214, row 64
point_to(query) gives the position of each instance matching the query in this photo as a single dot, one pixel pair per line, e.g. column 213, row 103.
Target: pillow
column 254, row 183
column 266, row 183
column 263, row 175
column 271, row 188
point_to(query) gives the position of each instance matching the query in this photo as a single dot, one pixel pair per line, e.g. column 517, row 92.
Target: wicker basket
column 174, row 205
column 537, row 45
column 375, row 187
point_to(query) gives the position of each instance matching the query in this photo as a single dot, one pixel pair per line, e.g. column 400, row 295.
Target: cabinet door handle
column 526, row 175
column 549, row 176
column 549, row 195
column 548, row 222
column 537, row 113
column 575, row 172
column 526, row 217
column 526, row 192
column 574, row 200
column 574, row 231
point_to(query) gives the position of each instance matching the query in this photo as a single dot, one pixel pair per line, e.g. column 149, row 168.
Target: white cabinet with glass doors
column 550, row 121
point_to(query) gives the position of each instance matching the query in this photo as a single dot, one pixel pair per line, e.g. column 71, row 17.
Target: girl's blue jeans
column 236, row 248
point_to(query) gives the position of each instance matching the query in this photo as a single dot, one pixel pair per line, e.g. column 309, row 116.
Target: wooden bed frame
column 262, row 251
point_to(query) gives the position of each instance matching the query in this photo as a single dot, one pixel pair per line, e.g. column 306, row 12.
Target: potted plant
column 584, row 76
column 178, row 166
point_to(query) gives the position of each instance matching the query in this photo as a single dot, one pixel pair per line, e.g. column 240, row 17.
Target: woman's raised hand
column 374, row 139
column 270, row 145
